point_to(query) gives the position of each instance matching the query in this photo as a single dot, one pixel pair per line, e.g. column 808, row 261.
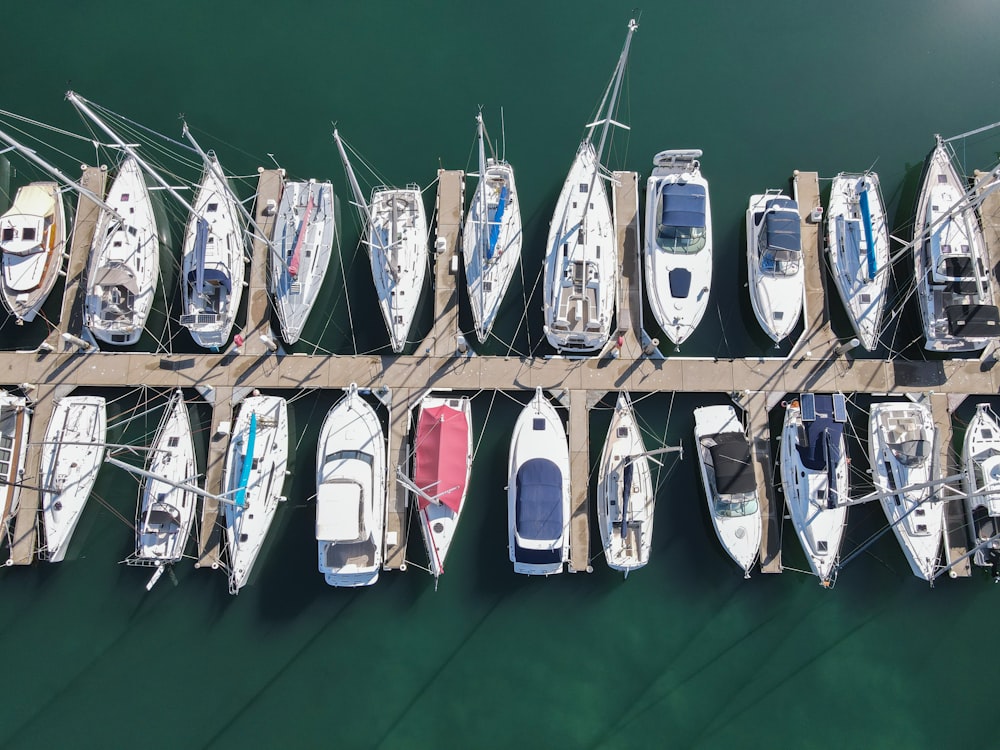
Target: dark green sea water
column 685, row 652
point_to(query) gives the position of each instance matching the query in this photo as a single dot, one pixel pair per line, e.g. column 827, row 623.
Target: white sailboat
column 15, row 419
column 538, row 503
column 625, row 492
column 678, row 242
column 253, row 476
column 581, row 261
column 857, row 241
column 442, row 464
column 304, row 233
column 213, row 260
column 951, row 265
column 981, row 480
column 814, row 478
column 33, row 241
column 774, row 261
column 901, row 453
column 167, row 505
column 730, row 486
column 491, row 238
column 124, row 261
column 350, row 493
column 71, row 457
column 396, row 227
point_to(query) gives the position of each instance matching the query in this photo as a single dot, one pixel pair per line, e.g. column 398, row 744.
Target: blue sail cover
column 539, row 503
column 495, row 223
column 200, row 243
column 627, row 473
column 683, row 205
column 241, row 490
column 821, row 449
column 783, row 227
column 866, row 219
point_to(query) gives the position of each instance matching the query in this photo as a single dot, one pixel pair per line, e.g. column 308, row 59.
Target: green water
column 683, row 653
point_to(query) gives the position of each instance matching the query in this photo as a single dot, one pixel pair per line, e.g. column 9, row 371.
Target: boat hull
column 981, row 481
column 776, row 287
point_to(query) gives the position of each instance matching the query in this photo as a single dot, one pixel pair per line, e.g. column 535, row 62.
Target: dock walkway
column 270, row 184
column 443, row 338
column 210, row 532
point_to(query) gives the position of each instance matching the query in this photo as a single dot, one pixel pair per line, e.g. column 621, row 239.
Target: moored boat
column 730, row 486
column 625, row 493
column 72, row 453
column 253, row 476
column 857, row 243
column 33, row 241
column 774, row 263
column 981, row 480
column 678, row 243
column 350, row 493
column 901, row 453
column 814, row 477
column 304, row 232
column 538, row 505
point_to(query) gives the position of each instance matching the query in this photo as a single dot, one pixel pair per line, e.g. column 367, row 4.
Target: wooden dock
column 443, row 338
column 817, row 337
column 956, row 533
column 625, row 197
column 398, row 501
column 270, row 184
column 755, row 405
column 579, row 483
column 210, row 532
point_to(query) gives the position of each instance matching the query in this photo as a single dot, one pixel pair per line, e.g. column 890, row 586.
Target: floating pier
column 443, row 338
column 625, row 197
column 210, row 532
column 269, row 187
column 956, row 533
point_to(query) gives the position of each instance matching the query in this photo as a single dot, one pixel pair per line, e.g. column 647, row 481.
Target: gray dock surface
column 625, row 199
column 442, row 340
column 755, row 404
column 270, row 184
column 956, row 534
column 579, row 482
column 210, row 531
column 398, row 499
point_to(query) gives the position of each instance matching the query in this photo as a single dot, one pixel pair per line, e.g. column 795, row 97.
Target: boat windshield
column 780, row 239
column 682, row 224
column 736, row 506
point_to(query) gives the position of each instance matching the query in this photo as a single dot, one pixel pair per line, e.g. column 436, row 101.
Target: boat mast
column 362, row 205
column 33, row 156
column 482, row 247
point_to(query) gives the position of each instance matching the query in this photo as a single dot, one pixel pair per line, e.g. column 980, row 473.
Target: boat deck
column 443, row 338
column 270, row 183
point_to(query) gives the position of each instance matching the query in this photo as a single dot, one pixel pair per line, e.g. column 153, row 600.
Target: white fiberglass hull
column 857, row 241
column 212, row 262
column 397, row 240
column 776, row 291
column 350, row 493
column 625, row 511
column 737, row 520
column 247, row 524
column 916, row 517
column 678, row 254
column 538, row 502
column 951, row 265
column 15, row 421
column 304, row 233
column 981, row 480
column 581, row 262
column 33, row 241
column 71, row 457
column 124, row 261
column 488, row 273
column 166, row 510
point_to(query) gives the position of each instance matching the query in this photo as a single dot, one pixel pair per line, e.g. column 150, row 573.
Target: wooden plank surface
column 442, row 340
column 269, row 186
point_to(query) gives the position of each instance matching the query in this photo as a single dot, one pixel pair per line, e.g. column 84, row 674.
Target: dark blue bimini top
column 823, row 437
column 208, row 276
column 783, row 228
column 683, row 206
column 539, row 506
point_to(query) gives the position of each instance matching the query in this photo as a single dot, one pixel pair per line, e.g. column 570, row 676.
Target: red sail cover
column 442, row 451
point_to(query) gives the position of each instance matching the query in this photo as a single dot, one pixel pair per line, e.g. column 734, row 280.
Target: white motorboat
column 730, row 486
column 538, row 504
column 678, row 242
column 253, row 476
column 15, row 419
column 857, row 241
column 213, row 260
column 442, row 463
column 350, row 493
column 581, row 259
column 124, row 261
column 814, row 477
column 33, row 241
column 491, row 238
column 396, row 237
column 981, row 480
column 901, row 454
column 774, row 261
column 72, row 453
column 951, row 265
column 166, row 510
column 304, row 233
column 625, row 494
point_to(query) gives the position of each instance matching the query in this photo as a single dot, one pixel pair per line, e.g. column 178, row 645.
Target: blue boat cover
column 783, row 227
column 210, row 275
column 821, row 449
column 866, row 219
column 241, row 490
column 495, row 223
column 680, row 283
column 683, row 205
column 539, row 502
